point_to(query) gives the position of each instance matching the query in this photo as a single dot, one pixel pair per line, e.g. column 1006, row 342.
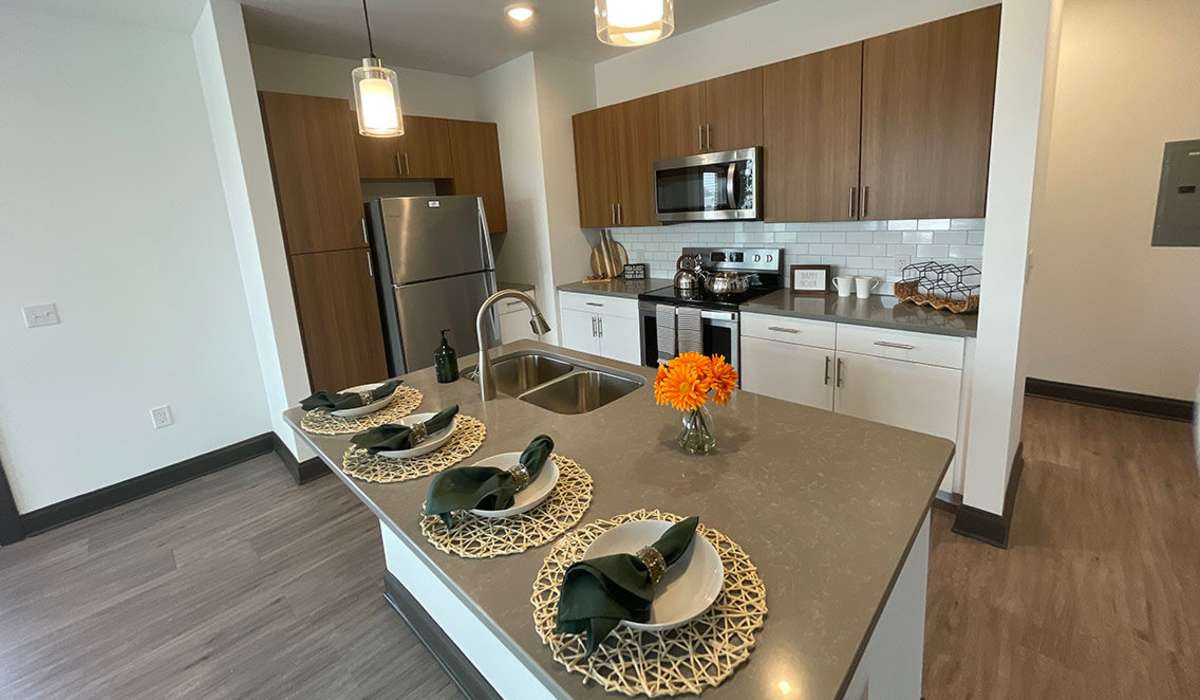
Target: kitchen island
column 832, row 510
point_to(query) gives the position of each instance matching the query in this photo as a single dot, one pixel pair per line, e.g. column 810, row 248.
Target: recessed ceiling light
column 520, row 13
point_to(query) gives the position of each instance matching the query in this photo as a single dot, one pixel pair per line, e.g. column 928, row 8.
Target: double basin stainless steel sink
column 558, row 384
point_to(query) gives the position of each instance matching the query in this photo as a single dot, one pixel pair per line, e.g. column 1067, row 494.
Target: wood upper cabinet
column 423, row 152
column 927, row 118
column 615, row 149
column 339, row 318
column 475, row 159
column 716, row 115
column 311, row 147
column 637, row 132
column 811, row 111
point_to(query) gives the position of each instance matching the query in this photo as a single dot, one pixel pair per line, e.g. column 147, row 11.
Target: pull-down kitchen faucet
column 487, row 383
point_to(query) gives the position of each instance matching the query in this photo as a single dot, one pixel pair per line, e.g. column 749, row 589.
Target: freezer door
column 424, row 308
column 432, row 237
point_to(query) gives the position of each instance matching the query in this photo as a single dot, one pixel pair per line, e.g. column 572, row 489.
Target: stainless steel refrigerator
column 433, row 270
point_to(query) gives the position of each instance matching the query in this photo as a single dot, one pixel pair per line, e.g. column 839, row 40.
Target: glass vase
column 697, row 436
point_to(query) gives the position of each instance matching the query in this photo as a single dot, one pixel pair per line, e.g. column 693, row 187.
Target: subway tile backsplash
column 869, row 248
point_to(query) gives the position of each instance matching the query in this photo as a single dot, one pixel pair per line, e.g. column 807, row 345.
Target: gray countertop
column 617, row 287
column 878, row 311
column 825, row 505
column 519, row 286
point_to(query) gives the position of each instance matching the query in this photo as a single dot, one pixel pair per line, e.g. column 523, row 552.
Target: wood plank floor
column 241, row 584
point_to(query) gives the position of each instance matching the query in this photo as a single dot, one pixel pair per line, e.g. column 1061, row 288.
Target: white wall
column 508, row 96
column 1106, row 309
column 781, row 30
column 421, row 92
column 1020, row 126
column 111, row 206
column 223, row 60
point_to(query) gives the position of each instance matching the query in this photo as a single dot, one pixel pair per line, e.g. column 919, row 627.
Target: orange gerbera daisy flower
column 681, row 388
column 695, row 360
column 723, row 379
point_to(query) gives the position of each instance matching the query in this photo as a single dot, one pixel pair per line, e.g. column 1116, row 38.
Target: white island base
column 486, row 664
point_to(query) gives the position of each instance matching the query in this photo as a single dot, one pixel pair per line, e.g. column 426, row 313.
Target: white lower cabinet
column 796, row 373
column 907, row 395
column 579, row 331
column 600, row 325
column 514, row 321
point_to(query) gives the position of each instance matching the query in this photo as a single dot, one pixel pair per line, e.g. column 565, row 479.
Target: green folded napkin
column 486, row 488
column 341, row 400
column 598, row 593
column 393, row 436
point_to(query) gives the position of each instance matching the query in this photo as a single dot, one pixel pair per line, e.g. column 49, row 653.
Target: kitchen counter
column 617, row 287
column 877, row 311
column 827, row 506
column 519, row 286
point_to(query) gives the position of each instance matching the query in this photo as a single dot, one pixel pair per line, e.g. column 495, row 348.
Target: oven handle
column 718, row 315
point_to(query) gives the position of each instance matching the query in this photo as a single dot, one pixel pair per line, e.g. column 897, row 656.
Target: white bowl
column 527, row 498
column 687, row 589
column 431, row 443
column 368, row 408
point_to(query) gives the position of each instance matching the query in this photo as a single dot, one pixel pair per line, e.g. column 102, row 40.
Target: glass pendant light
column 634, row 22
column 376, row 94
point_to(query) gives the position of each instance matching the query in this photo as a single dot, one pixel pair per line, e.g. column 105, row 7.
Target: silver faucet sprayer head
column 538, row 323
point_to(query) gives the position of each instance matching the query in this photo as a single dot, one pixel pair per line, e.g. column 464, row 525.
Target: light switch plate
column 161, row 417
column 41, row 315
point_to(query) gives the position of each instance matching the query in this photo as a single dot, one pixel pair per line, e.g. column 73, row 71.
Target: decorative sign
column 811, row 280
column 635, row 271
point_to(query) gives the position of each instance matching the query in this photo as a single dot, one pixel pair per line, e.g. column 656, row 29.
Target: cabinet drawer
column 797, row 331
column 939, row 350
column 594, row 303
column 512, row 306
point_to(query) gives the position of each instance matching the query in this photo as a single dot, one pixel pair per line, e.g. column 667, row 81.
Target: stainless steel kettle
column 687, row 274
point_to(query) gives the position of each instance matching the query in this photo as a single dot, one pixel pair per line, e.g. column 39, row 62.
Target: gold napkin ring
column 419, row 433
column 520, row 476
column 654, row 561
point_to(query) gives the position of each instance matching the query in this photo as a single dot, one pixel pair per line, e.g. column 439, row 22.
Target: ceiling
column 462, row 37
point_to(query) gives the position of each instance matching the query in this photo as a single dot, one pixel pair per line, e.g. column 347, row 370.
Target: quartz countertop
column 616, row 287
column 877, row 311
column 519, row 286
column 825, row 505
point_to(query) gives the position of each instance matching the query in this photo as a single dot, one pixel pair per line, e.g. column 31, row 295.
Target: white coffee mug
column 864, row 285
column 844, row 285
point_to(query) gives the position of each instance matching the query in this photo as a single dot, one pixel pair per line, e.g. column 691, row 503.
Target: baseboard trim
column 302, row 472
column 1142, row 404
column 986, row 526
column 100, row 500
column 10, row 519
column 464, row 674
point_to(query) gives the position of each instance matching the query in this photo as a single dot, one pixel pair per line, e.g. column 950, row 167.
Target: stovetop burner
column 766, row 264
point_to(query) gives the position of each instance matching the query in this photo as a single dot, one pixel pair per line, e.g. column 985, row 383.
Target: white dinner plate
column 527, row 498
column 363, row 410
column 431, row 443
column 687, row 589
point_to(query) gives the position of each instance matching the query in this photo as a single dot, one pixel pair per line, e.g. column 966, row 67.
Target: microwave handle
column 729, row 185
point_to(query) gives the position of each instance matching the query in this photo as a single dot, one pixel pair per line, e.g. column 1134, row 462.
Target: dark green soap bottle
column 445, row 361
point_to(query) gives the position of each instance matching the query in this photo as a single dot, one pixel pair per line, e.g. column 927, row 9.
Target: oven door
column 720, row 329
column 709, row 187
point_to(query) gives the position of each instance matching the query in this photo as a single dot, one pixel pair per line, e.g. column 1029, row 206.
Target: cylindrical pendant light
column 634, row 22
column 376, row 94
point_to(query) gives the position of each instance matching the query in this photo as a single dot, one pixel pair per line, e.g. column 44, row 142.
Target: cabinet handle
column 399, row 168
column 853, row 196
column 839, row 378
column 620, row 214
column 700, row 137
column 407, row 167
column 612, row 214
column 866, row 199
column 589, row 303
column 600, row 322
column 593, row 326
column 364, row 229
column 898, row 346
column 827, row 370
column 781, row 329
column 514, row 303
column 370, row 264
column 708, row 136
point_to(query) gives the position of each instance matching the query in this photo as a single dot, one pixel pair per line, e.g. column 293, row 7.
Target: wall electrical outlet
column 41, row 315
column 903, row 261
column 161, row 416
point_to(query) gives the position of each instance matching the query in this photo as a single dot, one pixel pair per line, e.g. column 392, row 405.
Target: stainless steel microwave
column 720, row 186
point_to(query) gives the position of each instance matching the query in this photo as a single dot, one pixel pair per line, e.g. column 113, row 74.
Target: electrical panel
column 1177, row 219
